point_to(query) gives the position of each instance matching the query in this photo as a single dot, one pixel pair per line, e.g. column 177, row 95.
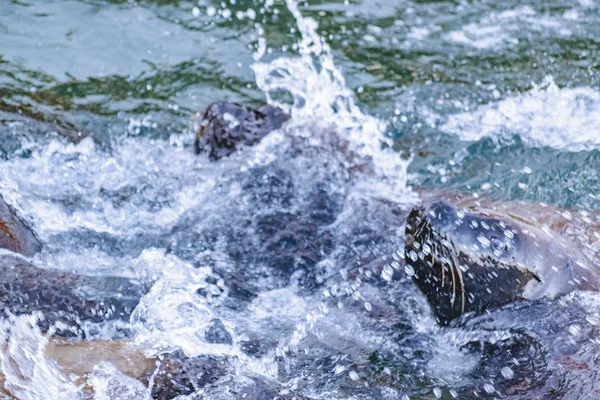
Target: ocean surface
column 297, row 258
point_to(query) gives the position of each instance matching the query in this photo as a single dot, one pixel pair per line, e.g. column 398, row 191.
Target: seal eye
column 498, row 246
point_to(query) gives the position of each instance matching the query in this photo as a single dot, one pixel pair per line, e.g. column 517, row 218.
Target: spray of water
column 321, row 98
column 144, row 186
column 561, row 118
column 27, row 373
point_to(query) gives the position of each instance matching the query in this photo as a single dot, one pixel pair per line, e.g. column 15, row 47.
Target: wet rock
column 64, row 296
column 181, row 376
column 226, row 126
column 15, row 234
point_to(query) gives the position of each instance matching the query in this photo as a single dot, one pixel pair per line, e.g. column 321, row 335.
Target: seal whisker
column 453, row 300
column 437, row 251
column 460, row 277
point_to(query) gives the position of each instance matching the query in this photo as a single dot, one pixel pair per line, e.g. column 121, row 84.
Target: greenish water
column 501, row 99
column 92, row 65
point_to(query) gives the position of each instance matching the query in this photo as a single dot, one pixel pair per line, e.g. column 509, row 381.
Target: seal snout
column 430, row 251
column 464, row 261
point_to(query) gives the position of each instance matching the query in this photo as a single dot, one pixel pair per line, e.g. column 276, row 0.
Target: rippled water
column 292, row 245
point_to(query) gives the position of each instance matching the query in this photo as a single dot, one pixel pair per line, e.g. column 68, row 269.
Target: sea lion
column 226, row 126
column 474, row 268
column 281, row 233
column 469, row 259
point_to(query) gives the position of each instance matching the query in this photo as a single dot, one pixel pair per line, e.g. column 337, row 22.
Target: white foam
column 322, row 98
column 498, row 29
column 91, row 182
column 111, row 384
column 173, row 316
column 561, row 118
column 28, row 374
column 67, row 187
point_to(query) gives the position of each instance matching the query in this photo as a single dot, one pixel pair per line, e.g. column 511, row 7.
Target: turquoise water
column 501, row 100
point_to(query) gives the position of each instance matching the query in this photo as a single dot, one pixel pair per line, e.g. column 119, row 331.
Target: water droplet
column 507, row 372
column 211, row 11
column 413, row 255
column 195, row 11
column 489, row 388
column 387, row 273
column 410, row 271
column 575, row 330
column 339, row 369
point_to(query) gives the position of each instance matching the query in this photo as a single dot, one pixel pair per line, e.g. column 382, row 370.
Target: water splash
column 111, row 384
column 147, row 187
column 561, row 118
column 28, row 374
column 321, row 98
column 178, row 310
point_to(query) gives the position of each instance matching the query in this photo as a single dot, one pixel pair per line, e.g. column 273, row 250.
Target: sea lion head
column 468, row 260
column 226, row 126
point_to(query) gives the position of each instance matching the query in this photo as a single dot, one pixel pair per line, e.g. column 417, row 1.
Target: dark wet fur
column 219, row 137
column 451, row 292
